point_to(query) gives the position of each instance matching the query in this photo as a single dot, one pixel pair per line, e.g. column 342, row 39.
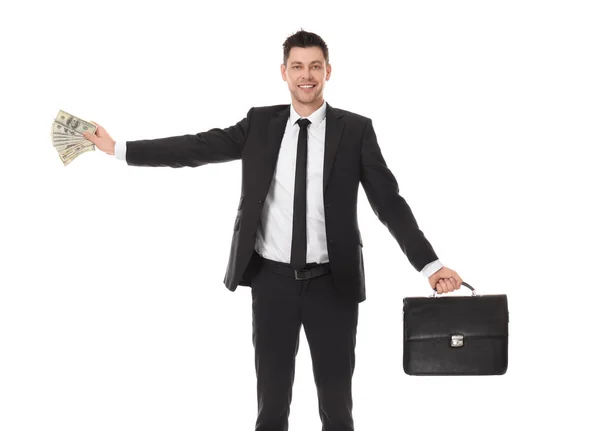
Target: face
column 306, row 66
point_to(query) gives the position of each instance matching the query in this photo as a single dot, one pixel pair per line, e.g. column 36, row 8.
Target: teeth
column 306, row 86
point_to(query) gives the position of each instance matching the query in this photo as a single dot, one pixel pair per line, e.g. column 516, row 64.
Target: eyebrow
column 314, row 61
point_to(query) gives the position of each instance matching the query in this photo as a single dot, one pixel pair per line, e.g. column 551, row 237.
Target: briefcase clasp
column 456, row 340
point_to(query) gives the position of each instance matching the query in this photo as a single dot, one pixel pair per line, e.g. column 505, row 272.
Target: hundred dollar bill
column 74, row 148
column 67, row 147
column 55, row 140
column 62, row 140
column 58, row 128
column 66, row 159
column 67, row 136
column 72, row 135
column 64, row 136
column 64, row 147
column 76, row 153
column 74, row 123
column 70, row 143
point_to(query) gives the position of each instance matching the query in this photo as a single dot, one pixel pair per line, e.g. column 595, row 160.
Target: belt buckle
column 297, row 273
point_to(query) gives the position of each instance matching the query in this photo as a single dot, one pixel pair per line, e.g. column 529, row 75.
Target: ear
column 283, row 72
column 328, row 69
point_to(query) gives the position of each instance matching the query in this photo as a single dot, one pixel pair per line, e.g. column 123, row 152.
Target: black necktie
column 298, row 257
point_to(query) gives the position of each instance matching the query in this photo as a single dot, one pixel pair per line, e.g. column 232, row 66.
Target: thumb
column 90, row 137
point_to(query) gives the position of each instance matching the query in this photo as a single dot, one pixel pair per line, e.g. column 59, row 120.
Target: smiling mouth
column 307, row 87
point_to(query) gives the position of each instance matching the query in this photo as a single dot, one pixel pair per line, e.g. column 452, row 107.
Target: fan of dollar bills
column 67, row 136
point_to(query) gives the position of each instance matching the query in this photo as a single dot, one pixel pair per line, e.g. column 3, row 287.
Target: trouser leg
column 330, row 325
column 275, row 336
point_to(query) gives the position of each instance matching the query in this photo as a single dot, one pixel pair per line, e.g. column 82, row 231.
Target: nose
column 308, row 78
column 307, row 75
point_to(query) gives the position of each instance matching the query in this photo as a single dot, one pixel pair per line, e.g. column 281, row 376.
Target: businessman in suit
column 296, row 240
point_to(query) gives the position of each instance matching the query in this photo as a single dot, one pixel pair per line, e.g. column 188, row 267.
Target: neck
column 305, row 109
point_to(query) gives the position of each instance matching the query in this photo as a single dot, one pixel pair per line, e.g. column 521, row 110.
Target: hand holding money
column 67, row 136
column 72, row 136
column 101, row 139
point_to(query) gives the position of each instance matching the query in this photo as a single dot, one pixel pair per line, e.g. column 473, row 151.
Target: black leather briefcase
column 456, row 335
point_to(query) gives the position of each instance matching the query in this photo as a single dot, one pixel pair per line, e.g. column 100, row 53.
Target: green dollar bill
column 66, row 159
column 76, row 124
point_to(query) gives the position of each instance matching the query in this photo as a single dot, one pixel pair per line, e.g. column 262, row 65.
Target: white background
column 113, row 312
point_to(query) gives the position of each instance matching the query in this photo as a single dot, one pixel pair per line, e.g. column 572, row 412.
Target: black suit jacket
column 352, row 156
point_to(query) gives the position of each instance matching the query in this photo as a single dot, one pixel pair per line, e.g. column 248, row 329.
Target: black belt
column 312, row 269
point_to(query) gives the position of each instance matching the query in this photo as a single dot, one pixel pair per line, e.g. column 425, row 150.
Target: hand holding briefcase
column 456, row 335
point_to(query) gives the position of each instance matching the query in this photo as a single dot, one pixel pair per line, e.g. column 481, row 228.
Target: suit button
column 260, row 202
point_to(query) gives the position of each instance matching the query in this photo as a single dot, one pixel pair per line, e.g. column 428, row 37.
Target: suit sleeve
column 213, row 146
column 382, row 191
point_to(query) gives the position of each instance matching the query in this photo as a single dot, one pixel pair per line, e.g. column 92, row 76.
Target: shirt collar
column 315, row 118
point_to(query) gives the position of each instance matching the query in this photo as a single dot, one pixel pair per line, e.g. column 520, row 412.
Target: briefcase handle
column 464, row 283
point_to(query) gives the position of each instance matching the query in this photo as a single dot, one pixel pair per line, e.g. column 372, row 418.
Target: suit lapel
column 275, row 132
column 333, row 136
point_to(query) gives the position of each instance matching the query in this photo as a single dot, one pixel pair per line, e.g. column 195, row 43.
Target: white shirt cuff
column 121, row 150
column 431, row 268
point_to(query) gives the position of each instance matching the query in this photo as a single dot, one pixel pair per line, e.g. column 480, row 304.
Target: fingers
column 442, row 286
column 99, row 129
column 90, row 137
column 457, row 279
column 433, row 282
column 445, row 280
column 446, row 285
column 453, row 283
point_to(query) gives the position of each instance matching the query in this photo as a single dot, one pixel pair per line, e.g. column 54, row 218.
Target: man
column 296, row 240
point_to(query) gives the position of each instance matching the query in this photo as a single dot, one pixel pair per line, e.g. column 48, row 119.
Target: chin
column 306, row 98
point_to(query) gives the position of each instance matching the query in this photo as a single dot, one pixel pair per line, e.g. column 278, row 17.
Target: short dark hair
column 304, row 39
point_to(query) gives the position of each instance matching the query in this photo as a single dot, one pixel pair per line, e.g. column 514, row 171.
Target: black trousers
column 280, row 306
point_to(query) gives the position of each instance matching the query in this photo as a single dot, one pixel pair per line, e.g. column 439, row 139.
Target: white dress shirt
column 274, row 235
